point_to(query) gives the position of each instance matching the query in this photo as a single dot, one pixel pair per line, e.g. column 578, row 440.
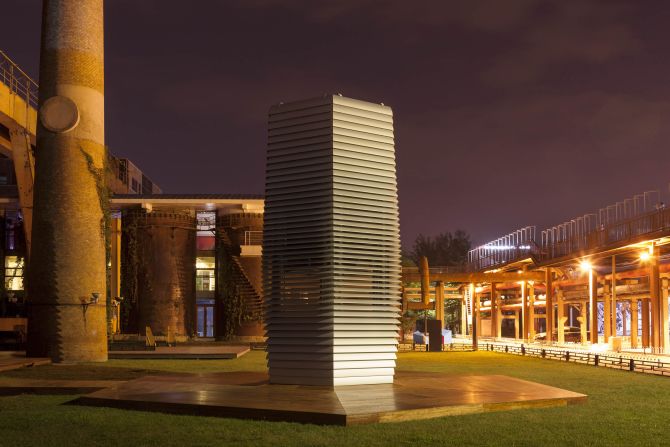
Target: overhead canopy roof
column 252, row 202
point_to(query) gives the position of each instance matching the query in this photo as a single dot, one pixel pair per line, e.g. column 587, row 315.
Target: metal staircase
column 250, row 294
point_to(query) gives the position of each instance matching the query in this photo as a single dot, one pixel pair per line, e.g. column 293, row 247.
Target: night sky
column 507, row 113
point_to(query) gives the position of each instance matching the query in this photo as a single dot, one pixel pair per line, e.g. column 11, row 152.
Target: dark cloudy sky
column 508, row 113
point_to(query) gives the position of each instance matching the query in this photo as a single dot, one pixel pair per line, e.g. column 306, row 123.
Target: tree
column 445, row 249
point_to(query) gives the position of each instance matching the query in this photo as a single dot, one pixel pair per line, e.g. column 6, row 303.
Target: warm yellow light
column 644, row 256
column 585, row 266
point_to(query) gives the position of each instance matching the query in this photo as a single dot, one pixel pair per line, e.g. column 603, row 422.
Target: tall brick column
column 67, row 263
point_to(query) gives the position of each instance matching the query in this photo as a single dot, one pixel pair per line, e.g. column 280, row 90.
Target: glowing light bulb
column 585, row 266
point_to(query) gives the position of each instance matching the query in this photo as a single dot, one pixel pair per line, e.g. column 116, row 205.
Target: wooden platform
column 415, row 395
column 11, row 386
column 184, row 352
column 15, row 360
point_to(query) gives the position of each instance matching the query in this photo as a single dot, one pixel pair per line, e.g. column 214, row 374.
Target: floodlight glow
column 585, row 266
column 644, row 256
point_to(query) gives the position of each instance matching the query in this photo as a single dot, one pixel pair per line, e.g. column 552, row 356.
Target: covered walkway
column 599, row 279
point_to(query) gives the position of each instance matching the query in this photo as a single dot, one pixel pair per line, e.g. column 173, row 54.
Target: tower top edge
column 330, row 99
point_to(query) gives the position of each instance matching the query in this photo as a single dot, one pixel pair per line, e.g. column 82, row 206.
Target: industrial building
column 170, row 256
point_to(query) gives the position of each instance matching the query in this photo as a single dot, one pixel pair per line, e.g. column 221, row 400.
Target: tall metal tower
column 331, row 247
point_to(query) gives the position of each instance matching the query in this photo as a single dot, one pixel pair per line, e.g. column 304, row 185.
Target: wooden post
column 475, row 318
column 478, row 320
column 560, row 311
column 583, row 321
column 464, row 314
column 439, row 301
column 496, row 313
column 425, row 280
column 665, row 337
column 655, row 299
column 549, row 310
column 633, row 323
column 645, row 322
column 582, row 328
column 524, row 312
column 517, row 332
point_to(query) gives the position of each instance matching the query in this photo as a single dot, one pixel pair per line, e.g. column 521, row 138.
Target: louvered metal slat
column 331, row 247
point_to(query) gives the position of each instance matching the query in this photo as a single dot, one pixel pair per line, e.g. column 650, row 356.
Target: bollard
column 631, row 367
column 596, row 360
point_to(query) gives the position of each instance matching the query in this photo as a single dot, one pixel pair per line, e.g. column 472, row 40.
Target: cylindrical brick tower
column 165, row 270
column 67, row 263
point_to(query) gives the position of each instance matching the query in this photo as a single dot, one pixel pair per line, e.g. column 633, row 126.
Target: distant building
column 126, row 178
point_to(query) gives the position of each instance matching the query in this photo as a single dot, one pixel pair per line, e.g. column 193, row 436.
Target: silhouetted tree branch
column 445, row 249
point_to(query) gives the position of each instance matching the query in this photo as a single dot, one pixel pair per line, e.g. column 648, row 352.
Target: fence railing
column 456, row 347
column 18, row 81
column 606, row 360
column 615, row 233
column 514, row 246
column 253, row 238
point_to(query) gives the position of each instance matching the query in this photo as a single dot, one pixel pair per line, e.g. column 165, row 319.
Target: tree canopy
column 445, row 249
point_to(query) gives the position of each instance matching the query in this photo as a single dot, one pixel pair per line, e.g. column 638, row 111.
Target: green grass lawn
column 623, row 409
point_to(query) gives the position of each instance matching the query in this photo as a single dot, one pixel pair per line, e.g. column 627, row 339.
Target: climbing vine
column 130, row 264
column 231, row 303
column 103, row 192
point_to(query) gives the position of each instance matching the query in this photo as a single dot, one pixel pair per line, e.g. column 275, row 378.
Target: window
column 206, row 230
column 13, row 273
column 204, row 274
column 134, row 185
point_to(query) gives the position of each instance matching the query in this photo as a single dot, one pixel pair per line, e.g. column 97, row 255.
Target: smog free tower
column 331, row 247
column 67, row 270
